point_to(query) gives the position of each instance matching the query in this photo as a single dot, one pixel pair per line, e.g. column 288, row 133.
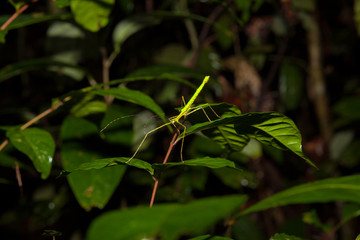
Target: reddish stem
column 14, row 16
column 165, row 161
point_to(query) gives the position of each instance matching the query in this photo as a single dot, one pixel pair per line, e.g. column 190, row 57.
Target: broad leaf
column 37, row 144
column 92, row 14
column 269, row 128
column 92, row 188
column 133, row 96
column 333, row 189
column 273, row 129
column 225, row 135
column 166, row 220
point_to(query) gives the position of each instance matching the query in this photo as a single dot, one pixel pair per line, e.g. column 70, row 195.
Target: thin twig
column 14, row 16
column 37, row 118
column 18, row 177
column 165, row 161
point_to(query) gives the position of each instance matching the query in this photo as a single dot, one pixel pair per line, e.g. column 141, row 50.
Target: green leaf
column 273, row 129
column 291, row 85
column 18, row 68
column 246, row 229
column 224, row 134
column 92, row 188
column 109, row 162
column 88, row 108
column 92, row 14
column 347, row 108
column 166, row 220
column 170, row 72
column 269, row 128
column 37, row 144
column 312, row 217
column 133, row 96
column 130, row 26
column 358, row 237
column 62, row 3
column 2, row 36
column 333, row 189
column 27, row 19
column 209, row 237
column 198, row 162
column 283, row 236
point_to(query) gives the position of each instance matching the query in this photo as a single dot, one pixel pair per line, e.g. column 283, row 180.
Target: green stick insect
column 186, row 110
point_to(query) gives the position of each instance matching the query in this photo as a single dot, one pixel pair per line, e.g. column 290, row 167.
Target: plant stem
column 15, row 15
column 172, row 143
column 37, row 118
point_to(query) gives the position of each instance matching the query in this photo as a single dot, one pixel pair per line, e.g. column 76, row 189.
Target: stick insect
column 186, row 110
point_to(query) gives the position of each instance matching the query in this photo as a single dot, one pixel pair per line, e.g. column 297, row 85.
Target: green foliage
column 92, row 14
column 37, row 144
column 343, row 188
column 166, row 220
column 110, row 71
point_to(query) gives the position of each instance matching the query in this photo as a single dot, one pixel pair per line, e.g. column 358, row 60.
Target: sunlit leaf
column 193, row 218
column 92, row 14
column 333, row 189
column 269, row 128
column 37, row 144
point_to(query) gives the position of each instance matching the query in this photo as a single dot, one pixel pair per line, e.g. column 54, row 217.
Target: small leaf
column 283, row 236
column 37, row 144
column 133, row 96
column 312, row 217
column 333, row 189
column 169, row 221
column 92, row 14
